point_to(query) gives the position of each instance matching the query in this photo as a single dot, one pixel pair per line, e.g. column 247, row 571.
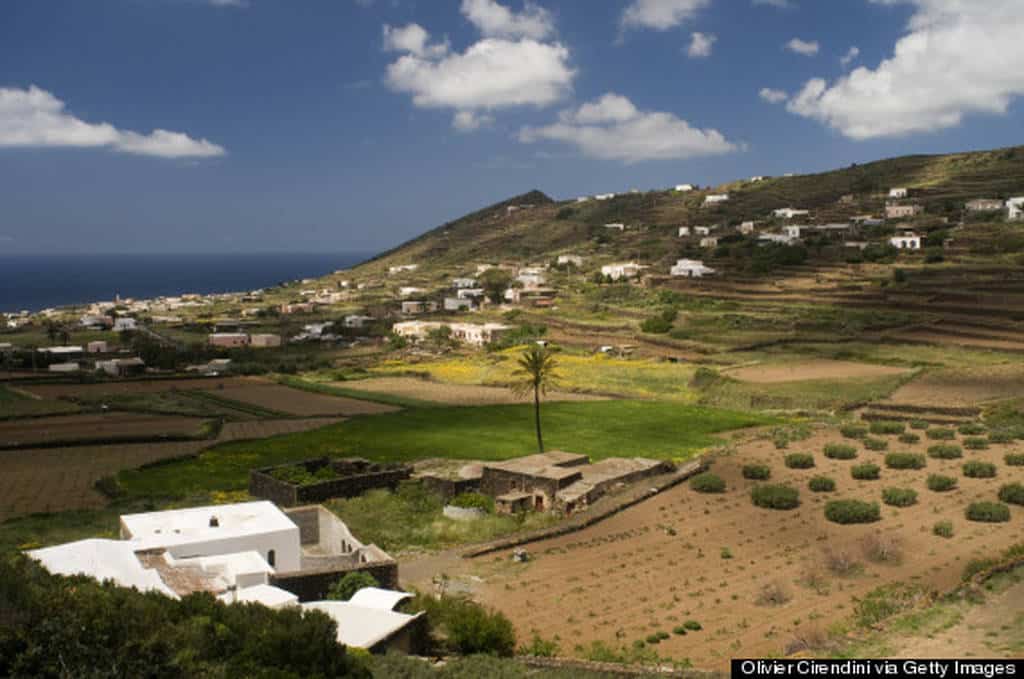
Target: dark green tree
column 535, row 375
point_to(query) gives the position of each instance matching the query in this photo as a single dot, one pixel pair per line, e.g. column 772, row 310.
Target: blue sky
column 351, row 125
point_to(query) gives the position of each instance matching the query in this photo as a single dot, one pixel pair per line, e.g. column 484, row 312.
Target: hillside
column 538, row 227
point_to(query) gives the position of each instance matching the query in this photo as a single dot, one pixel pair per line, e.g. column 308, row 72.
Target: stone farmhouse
column 984, row 205
column 903, row 211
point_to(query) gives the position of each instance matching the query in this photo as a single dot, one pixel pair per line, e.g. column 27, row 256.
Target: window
column 271, row 557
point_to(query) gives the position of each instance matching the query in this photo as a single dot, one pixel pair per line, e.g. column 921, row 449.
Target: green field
column 14, row 404
column 599, row 428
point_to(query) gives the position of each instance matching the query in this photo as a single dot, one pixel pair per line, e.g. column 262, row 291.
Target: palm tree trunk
column 536, row 414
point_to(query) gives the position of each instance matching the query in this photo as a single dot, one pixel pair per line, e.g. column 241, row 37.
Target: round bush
column 988, row 512
column 975, row 443
column 886, row 427
column 775, row 497
column 692, row 625
column 945, row 451
column 977, row 469
column 474, row 501
column 971, row 428
column 899, row 497
column 940, row 483
column 941, row 434
column 944, row 529
column 865, row 472
column 800, row 461
column 904, row 461
column 821, row 484
column 919, row 424
column 1014, row 459
column 840, row 451
column 853, row 431
column 680, row 630
column 852, row 511
column 875, row 444
column 707, row 483
column 909, row 437
column 757, row 472
column 1001, row 437
column 1012, row 493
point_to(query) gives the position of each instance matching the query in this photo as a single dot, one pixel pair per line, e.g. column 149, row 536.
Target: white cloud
column 779, row 4
column 469, row 121
column 773, row 96
column 958, row 57
column 35, row 118
column 701, row 45
column 497, row 21
column 612, row 128
column 661, row 15
column 850, row 55
column 413, row 39
column 807, row 48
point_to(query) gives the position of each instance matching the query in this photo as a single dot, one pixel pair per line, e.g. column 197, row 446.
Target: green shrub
column 919, row 424
column 775, row 496
column 656, row 325
column 941, row 434
column 1014, row 459
column 467, row 626
column 692, row 625
column 349, row 584
column 945, row 451
column 757, row 472
column 474, row 501
column 852, row 511
column 875, row 444
column 840, row 451
column 976, row 469
column 909, row 438
column 975, row 443
column 707, row 483
column 944, row 529
column 821, row 484
column 988, row 512
column 865, row 472
column 853, row 431
column 899, row 497
column 800, row 461
column 540, row 647
column 1013, row 493
column 940, row 483
column 905, row 461
column 1001, row 437
column 971, row 428
column 886, row 427
column 680, row 630
column 653, row 639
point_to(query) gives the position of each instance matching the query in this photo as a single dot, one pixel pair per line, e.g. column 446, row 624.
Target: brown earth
column 823, row 369
column 132, row 387
column 57, row 479
column 683, row 555
column 95, row 427
column 452, row 394
column 284, row 399
column 962, row 387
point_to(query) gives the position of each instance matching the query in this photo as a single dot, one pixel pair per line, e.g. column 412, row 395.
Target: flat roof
column 104, row 560
column 181, row 526
column 533, row 464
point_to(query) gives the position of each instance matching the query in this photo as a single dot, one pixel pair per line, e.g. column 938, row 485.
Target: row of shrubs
column 972, row 431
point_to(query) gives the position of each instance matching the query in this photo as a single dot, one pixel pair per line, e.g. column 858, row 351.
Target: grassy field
column 14, row 404
column 598, row 428
column 822, row 395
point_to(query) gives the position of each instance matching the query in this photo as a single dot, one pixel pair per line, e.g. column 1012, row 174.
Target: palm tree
column 536, row 374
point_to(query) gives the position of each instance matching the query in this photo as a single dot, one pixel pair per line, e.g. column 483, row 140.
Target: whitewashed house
column 125, row 323
column 369, row 621
column 902, row 211
column 413, row 307
column 356, row 321
column 777, row 238
column 898, row 193
column 473, row 334
column 757, row 178
column 583, row 199
column 402, row 268
column 747, row 228
column 702, row 230
column 684, row 188
column 691, row 268
column 684, row 231
column 604, row 196
column 616, row 226
column 409, row 291
column 459, row 304
column 908, row 241
column 790, row 213
column 984, row 205
column 621, row 270
column 715, row 198
column 709, row 242
column 574, row 260
column 460, row 283
column 793, row 231
column 1015, row 209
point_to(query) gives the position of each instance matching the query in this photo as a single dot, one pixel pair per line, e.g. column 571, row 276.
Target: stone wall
column 449, row 488
column 308, row 521
column 358, row 476
column 312, row 585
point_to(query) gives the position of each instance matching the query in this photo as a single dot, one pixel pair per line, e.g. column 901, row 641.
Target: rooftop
column 541, row 463
column 181, row 526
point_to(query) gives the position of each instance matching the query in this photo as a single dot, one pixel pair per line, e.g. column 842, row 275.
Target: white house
column 409, row 291
column 684, row 231
column 747, row 228
column 715, row 198
column 757, row 178
column 402, row 268
column 125, row 323
column 793, row 231
column 583, row 199
column 460, row 283
column 984, row 205
column 458, row 304
column 902, row 211
column 777, row 238
column 531, row 277
column 690, row 268
column 97, row 347
column 621, row 270
column 616, row 226
column 789, row 213
column 469, row 293
column 604, row 196
column 899, row 193
column 684, row 188
column 356, row 321
column 574, row 260
column 709, row 242
column 702, row 230
column 468, row 333
column 368, row 620
column 1015, row 208
column 64, row 367
column 908, row 241
column 418, row 307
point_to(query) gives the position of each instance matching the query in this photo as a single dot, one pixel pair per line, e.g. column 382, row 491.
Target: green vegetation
column 919, row 424
column 707, row 483
column 865, row 472
column 535, row 374
column 899, row 497
column 473, row 501
column 853, row 431
column 298, row 475
column 800, row 461
column 840, row 451
column 884, row 602
column 940, row 483
column 350, row 583
column 822, row 484
column 886, row 427
column 972, row 429
column 909, row 438
column 988, row 512
column 875, row 444
column 941, row 434
column 852, row 511
column 943, row 529
column 945, row 451
column 975, row 443
column 905, row 461
column 976, row 469
column 775, row 496
column 1012, row 493
column 1014, row 459
column 602, row 429
column 465, row 626
column 756, row 472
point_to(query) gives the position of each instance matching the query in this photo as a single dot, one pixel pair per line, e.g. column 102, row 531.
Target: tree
column 495, row 282
column 52, row 331
column 349, row 584
column 536, row 374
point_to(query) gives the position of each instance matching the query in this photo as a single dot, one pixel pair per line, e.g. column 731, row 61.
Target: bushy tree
column 350, row 583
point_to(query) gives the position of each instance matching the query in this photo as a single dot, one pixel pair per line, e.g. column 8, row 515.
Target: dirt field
column 683, row 555
column 298, row 402
column 132, row 387
column 962, row 387
column 57, row 479
column 771, row 373
column 95, row 427
column 452, row 394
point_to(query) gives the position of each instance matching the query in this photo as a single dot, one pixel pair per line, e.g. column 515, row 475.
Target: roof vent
column 214, row 522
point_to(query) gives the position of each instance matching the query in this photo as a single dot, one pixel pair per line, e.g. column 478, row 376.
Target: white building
column 604, row 196
column 97, row 347
column 793, row 231
column 409, row 291
column 125, row 323
column 747, row 228
column 899, row 193
column 902, row 211
column 621, row 270
column 63, row 367
column 1015, row 208
column 684, row 231
column 458, row 304
column 368, row 620
column 402, row 268
column 413, row 307
column 715, row 198
column 356, row 321
column 702, row 230
column 616, row 226
column 468, row 333
column 470, row 293
column 709, row 242
column 789, row 213
column 583, row 199
column 264, row 340
column 757, row 178
column 691, row 268
column 460, row 283
column 575, row 260
column 984, row 205
column 908, row 241
column 778, row 238
column 684, row 188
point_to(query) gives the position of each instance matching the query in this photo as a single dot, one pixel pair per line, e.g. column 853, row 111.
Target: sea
column 36, row 282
